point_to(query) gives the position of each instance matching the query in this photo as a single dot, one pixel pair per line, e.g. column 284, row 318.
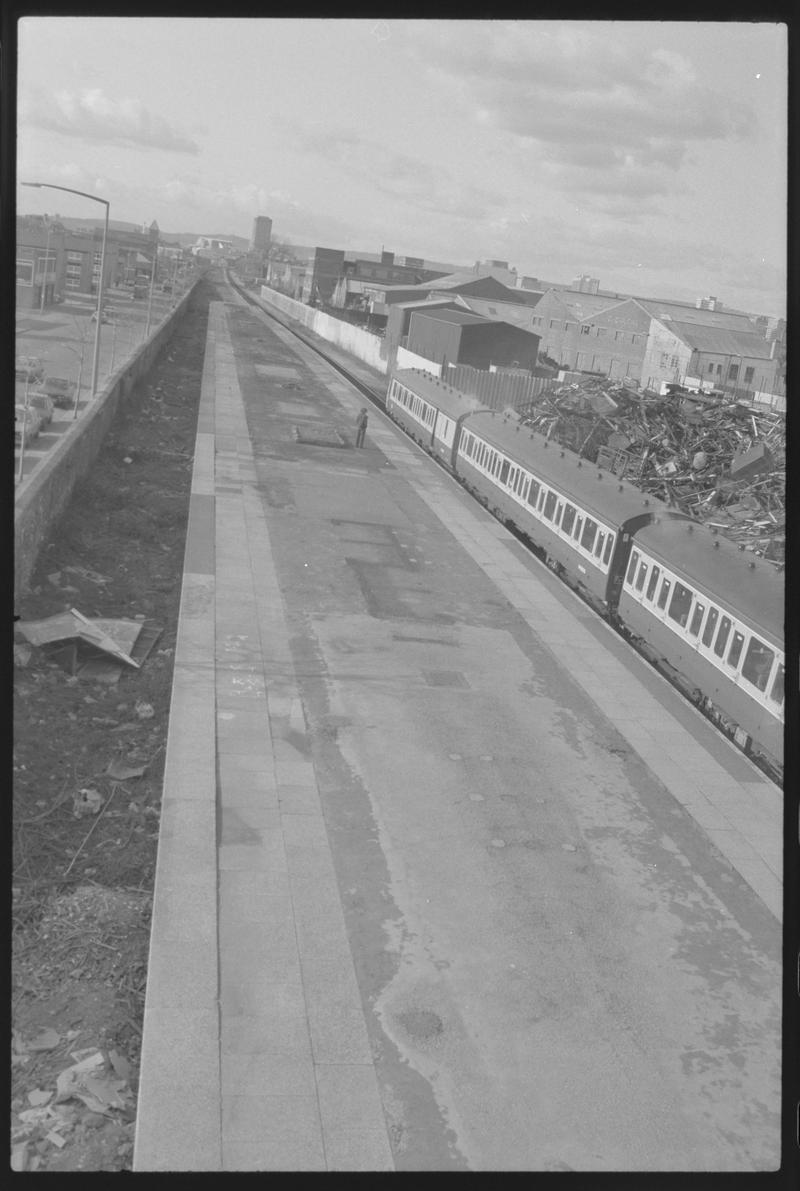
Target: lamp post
column 75, row 351
column 46, row 263
column 153, row 268
column 107, row 205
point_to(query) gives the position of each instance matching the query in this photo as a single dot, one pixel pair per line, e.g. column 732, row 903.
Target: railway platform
column 448, row 878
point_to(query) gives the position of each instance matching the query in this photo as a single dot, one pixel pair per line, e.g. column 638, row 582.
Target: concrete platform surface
column 448, row 878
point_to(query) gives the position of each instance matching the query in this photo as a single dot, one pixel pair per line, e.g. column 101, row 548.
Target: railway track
column 378, row 399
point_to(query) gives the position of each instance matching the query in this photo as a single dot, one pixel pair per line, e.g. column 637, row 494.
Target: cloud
column 92, row 116
column 406, row 179
column 602, row 100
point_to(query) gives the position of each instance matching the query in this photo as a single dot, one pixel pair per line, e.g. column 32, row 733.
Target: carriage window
column 498, row 461
column 640, row 578
column 550, row 505
column 576, row 533
column 776, row 694
column 568, row 520
column 697, row 619
column 609, row 545
column 588, row 535
column 601, row 537
column 758, row 663
column 662, row 595
column 526, row 488
column 651, row 586
column 680, row 604
column 722, row 637
column 632, row 567
column 512, row 477
column 711, row 624
column 533, row 493
column 735, row 651
column 504, row 471
column 521, row 477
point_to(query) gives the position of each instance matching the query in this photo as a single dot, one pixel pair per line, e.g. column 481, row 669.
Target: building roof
column 499, row 310
column 682, row 312
column 722, row 341
column 463, row 317
column 452, row 279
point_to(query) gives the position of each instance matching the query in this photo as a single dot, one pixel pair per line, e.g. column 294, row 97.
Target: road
column 63, row 334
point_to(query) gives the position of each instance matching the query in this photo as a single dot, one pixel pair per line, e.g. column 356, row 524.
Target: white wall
column 407, row 359
column 358, row 342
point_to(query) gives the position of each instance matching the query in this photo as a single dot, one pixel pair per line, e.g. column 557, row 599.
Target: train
column 708, row 614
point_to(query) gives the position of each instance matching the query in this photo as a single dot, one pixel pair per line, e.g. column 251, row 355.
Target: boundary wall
column 42, row 498
column 359, row 343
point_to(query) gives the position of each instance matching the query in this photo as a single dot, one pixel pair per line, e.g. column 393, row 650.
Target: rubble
column 708, row 455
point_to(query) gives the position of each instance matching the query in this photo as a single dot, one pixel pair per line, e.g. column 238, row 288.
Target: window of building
column 568, row 520
column 711, row 368
column 758, row 663
column 585, row 330
column 588, row 535
column 711, row 624
column 749, row 373
column 617, row 335
column 776, row 694
column 680, row 604
column 733, row 372
column 697, row 619
column 550, row 505
column 651, row 586
column 553, row 323
column 75, row 257
column 719, row 369
column 722, row 636
column 632, row 567
column 735, row 651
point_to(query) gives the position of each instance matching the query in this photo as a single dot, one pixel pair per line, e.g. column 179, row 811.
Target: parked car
column 61, row 390
column 104, row 317
column 44, row 405
column 27, row 418
column 28, row 368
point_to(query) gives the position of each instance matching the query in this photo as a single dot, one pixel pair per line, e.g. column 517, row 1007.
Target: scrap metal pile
column 708, row 455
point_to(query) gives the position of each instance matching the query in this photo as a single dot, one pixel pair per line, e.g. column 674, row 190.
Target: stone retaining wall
column 41, row 499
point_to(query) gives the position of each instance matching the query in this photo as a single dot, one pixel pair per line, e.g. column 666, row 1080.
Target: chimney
column 387, row 258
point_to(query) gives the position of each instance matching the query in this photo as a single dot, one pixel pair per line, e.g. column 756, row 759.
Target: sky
column 650, row 155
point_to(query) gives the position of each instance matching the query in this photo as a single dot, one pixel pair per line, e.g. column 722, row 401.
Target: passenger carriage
column 429, row 410
column 715, row 613
column 563, row 504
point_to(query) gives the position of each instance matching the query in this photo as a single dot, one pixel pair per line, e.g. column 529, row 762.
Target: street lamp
column 75, row 352
column 153, row 269
column 107, row 205
column 46, row 263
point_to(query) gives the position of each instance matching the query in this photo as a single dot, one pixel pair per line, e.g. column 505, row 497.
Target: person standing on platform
column 362, row 428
